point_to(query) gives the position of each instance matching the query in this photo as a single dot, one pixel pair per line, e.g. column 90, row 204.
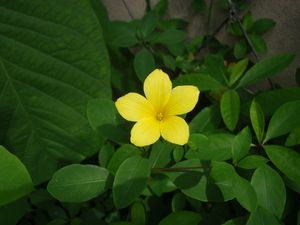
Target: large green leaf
column 181, row 218
column 212, row 147
column 161, row 154
column 78, row 183
column 262, row 217
column 265, row 68
column 241, row 144
column 230, row 108
column 52, row 61
column 286, row 160
column 285, row 119
column 144, row 63
column 205, row 182
column 203, row 81
column 130, row 180
column 270, row 189
column 282, row 96
column 14, row 178
column 245, row 194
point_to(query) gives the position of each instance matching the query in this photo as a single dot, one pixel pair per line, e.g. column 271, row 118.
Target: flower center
column 159, row 116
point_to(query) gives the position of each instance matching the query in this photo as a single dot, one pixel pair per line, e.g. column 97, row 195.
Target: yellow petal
column 182, row 100
column 134, row 107
column 175, row 130
column 157, row 88
column 145, row 132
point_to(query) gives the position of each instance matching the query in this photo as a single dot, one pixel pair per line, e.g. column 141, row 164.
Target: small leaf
column 264, row 181
column 161, row 7
column 285, row 119
column 178, row 202
column 204, row 82
column 14, row 178
column 237, row 70
column 161, row 154
column 122, row 34
column 262, row 25
column 138, row 216
column 144, row 64
column 149, row 23
column 230, row 108
column 78, row 183
column 207, row 119
column 169, row 62
column 247, row 21
column 120, row 155
column 241, row 144
column 266, row 68
column 245, row 194
column 216, row 68
column 130, row 180
column 258, row 43
column 170, row 37
column 257, row 120
column 234, row 29
column 252, row 162
column 105, row 154
column 178, row 153
column 286, row 160
column 240, row 49
column 181, row 218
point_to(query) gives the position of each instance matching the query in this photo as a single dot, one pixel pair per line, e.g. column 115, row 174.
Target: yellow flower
column 156, row 114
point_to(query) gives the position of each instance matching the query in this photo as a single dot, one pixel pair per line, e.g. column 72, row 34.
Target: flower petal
column 157, row 88
column 182, row 100
column 134, row 107
column 145, row 132
column 175, row 130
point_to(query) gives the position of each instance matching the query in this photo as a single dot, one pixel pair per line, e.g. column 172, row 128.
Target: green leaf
column 138, row 216
column 178, row 153
column 252, row 162
column 265, row 68
column 293, row 138
column 258, row 43
column 11, row 213
column 161, row 7
column 245, row 194
column 262, row 217
column 149, row 23
column 234, row 29
column 236, row 221
column 241, row 144
column 286, row 160
column 216, row 68
column 212, row 147
column 105, row 154
column 170, row 37
column 14, row 178
column 144, row 64
column 195, row 43
column 120, row 155
column 262, row 25
column 78, row 183
column 270, row 189
column 237, row 70
column 247, row 21
column 48, row 72
column 181, row 218
column 161, row 154
column 207, row 119
column 122, row 34
column 230, row 108
column 210, row 182
column 204, row 82
column 178, row 202
column 160, row 184
column 282, row 96
column 169, row 62
column 285, row 119
column 240, row 49
column 257, row 120
column 130, row 180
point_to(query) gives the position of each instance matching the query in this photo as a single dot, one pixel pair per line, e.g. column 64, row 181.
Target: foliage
column 66, row 156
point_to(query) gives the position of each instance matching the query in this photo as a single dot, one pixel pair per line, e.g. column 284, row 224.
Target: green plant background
column 65, row 154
